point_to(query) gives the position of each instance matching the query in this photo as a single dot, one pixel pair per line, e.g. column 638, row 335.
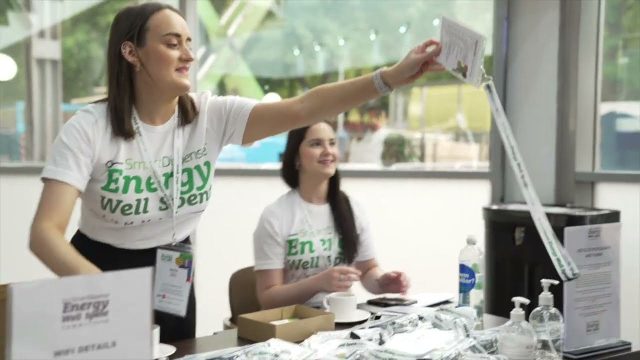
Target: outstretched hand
column 338, row 278
column 419, row 60
column 393, row 282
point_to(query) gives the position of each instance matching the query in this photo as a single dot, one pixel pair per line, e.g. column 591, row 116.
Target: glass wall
column 267, row 50
column 619, row 108
column 59, row 51
column 277, row 49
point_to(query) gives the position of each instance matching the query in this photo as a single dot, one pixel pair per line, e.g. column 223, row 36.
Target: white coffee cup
column 155, row 335
column 342, row 304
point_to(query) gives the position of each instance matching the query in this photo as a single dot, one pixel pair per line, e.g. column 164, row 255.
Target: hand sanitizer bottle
column 548, row 324
column 517, row 339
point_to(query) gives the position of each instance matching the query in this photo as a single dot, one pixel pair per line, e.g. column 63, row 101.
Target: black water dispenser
column 515, row 257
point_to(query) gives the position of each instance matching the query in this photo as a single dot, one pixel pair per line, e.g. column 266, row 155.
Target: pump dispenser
column 548, row 324
column 517, row 339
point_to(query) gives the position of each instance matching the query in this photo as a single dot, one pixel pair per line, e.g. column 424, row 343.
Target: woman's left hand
column 394, row 282
column 419, row 60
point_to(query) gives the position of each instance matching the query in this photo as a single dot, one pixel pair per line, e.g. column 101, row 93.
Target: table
column 229, row 338
column 220, row 340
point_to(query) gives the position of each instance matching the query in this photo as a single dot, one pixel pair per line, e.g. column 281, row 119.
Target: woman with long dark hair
column 121, row 155
column 314, row 239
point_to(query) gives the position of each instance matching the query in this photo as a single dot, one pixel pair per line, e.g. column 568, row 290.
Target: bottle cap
column 546, row 297
column 517, row 314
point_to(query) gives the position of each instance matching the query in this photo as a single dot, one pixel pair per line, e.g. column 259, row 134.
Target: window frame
column 588, row 96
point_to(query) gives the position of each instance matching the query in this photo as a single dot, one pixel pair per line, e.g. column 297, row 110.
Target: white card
column 462, row 51
column 102, row 316
column 173, row 279
column 592, row 302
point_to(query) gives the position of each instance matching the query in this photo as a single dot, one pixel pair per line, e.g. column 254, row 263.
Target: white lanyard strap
column 312, row 230
column 173, row 200
column 561, row 260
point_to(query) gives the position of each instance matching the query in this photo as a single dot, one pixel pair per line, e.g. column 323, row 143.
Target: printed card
column 462, row 51
column 102, row 316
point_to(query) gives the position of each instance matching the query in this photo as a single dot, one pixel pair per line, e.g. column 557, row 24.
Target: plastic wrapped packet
column 316, row 340
column 226, row 353
column 461, row 328
column 404, row 324
column 488, row 339
column 457, row 349
column 449, row 353
column 375, row 335
column 378, row 320
column 444, row 319
column 471, row 356
column 268, row 350
column 466, row 313
column 421, row 341
column 386, row 354
column 342, row 349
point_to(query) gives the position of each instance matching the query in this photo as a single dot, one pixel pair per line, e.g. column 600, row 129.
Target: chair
column 243, row 297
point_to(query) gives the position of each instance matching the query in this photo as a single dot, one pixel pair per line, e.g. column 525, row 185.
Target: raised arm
column 47, row 240
column 272, row 292
column 329, row 100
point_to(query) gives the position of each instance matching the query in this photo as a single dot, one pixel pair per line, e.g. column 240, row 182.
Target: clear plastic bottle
column 471, row 278
column 548, row 324
column 517, row 339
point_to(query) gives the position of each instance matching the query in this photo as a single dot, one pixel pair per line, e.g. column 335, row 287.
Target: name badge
column 173, row 279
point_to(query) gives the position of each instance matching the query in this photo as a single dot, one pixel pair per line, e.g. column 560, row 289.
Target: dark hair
column 341, row 210
column 130, row 24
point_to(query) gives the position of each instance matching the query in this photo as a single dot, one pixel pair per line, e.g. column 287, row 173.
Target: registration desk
column 229, row 338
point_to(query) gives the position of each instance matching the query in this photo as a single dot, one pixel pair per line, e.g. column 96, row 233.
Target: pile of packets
column 436, row 334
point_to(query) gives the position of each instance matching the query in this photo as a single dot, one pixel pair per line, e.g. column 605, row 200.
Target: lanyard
column 173, row 200
column 311, row 229
column 563, row 263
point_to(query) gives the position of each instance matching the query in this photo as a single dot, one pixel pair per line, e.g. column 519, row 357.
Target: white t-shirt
column 121, row 204
column 300, row 238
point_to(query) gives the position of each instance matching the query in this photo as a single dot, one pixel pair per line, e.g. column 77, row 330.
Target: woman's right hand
column 47, row 240
column 419, row 60
column 338, row 278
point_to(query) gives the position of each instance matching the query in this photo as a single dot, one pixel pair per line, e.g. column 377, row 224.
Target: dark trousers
column 107, row 257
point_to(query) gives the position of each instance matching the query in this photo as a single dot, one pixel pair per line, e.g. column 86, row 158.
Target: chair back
column 243, row 297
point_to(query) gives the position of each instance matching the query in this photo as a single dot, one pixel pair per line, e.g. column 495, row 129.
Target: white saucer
column 358, row 316
column 164, row 350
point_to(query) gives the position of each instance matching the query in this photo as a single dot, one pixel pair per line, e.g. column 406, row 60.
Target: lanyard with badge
column 174, row 262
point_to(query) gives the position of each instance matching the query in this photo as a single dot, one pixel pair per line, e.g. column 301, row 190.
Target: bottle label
column 467, row 278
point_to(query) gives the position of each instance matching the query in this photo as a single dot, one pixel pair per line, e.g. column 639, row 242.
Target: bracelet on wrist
column 382, row 87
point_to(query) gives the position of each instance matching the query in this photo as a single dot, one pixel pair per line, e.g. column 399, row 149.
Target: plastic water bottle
column 471, row 278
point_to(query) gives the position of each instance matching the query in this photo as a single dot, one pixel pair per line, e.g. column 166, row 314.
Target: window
column 267, row 50
column 619, row 108
column 277, row 49
column 59, row 48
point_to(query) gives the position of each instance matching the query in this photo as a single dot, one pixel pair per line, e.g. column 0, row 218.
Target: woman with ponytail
column 314, row 239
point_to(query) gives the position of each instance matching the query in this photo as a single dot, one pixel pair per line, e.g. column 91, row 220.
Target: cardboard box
column 257, row 326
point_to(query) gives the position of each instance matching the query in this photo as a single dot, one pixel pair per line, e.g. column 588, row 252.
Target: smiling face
column 166, row 55
column 318, row 152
